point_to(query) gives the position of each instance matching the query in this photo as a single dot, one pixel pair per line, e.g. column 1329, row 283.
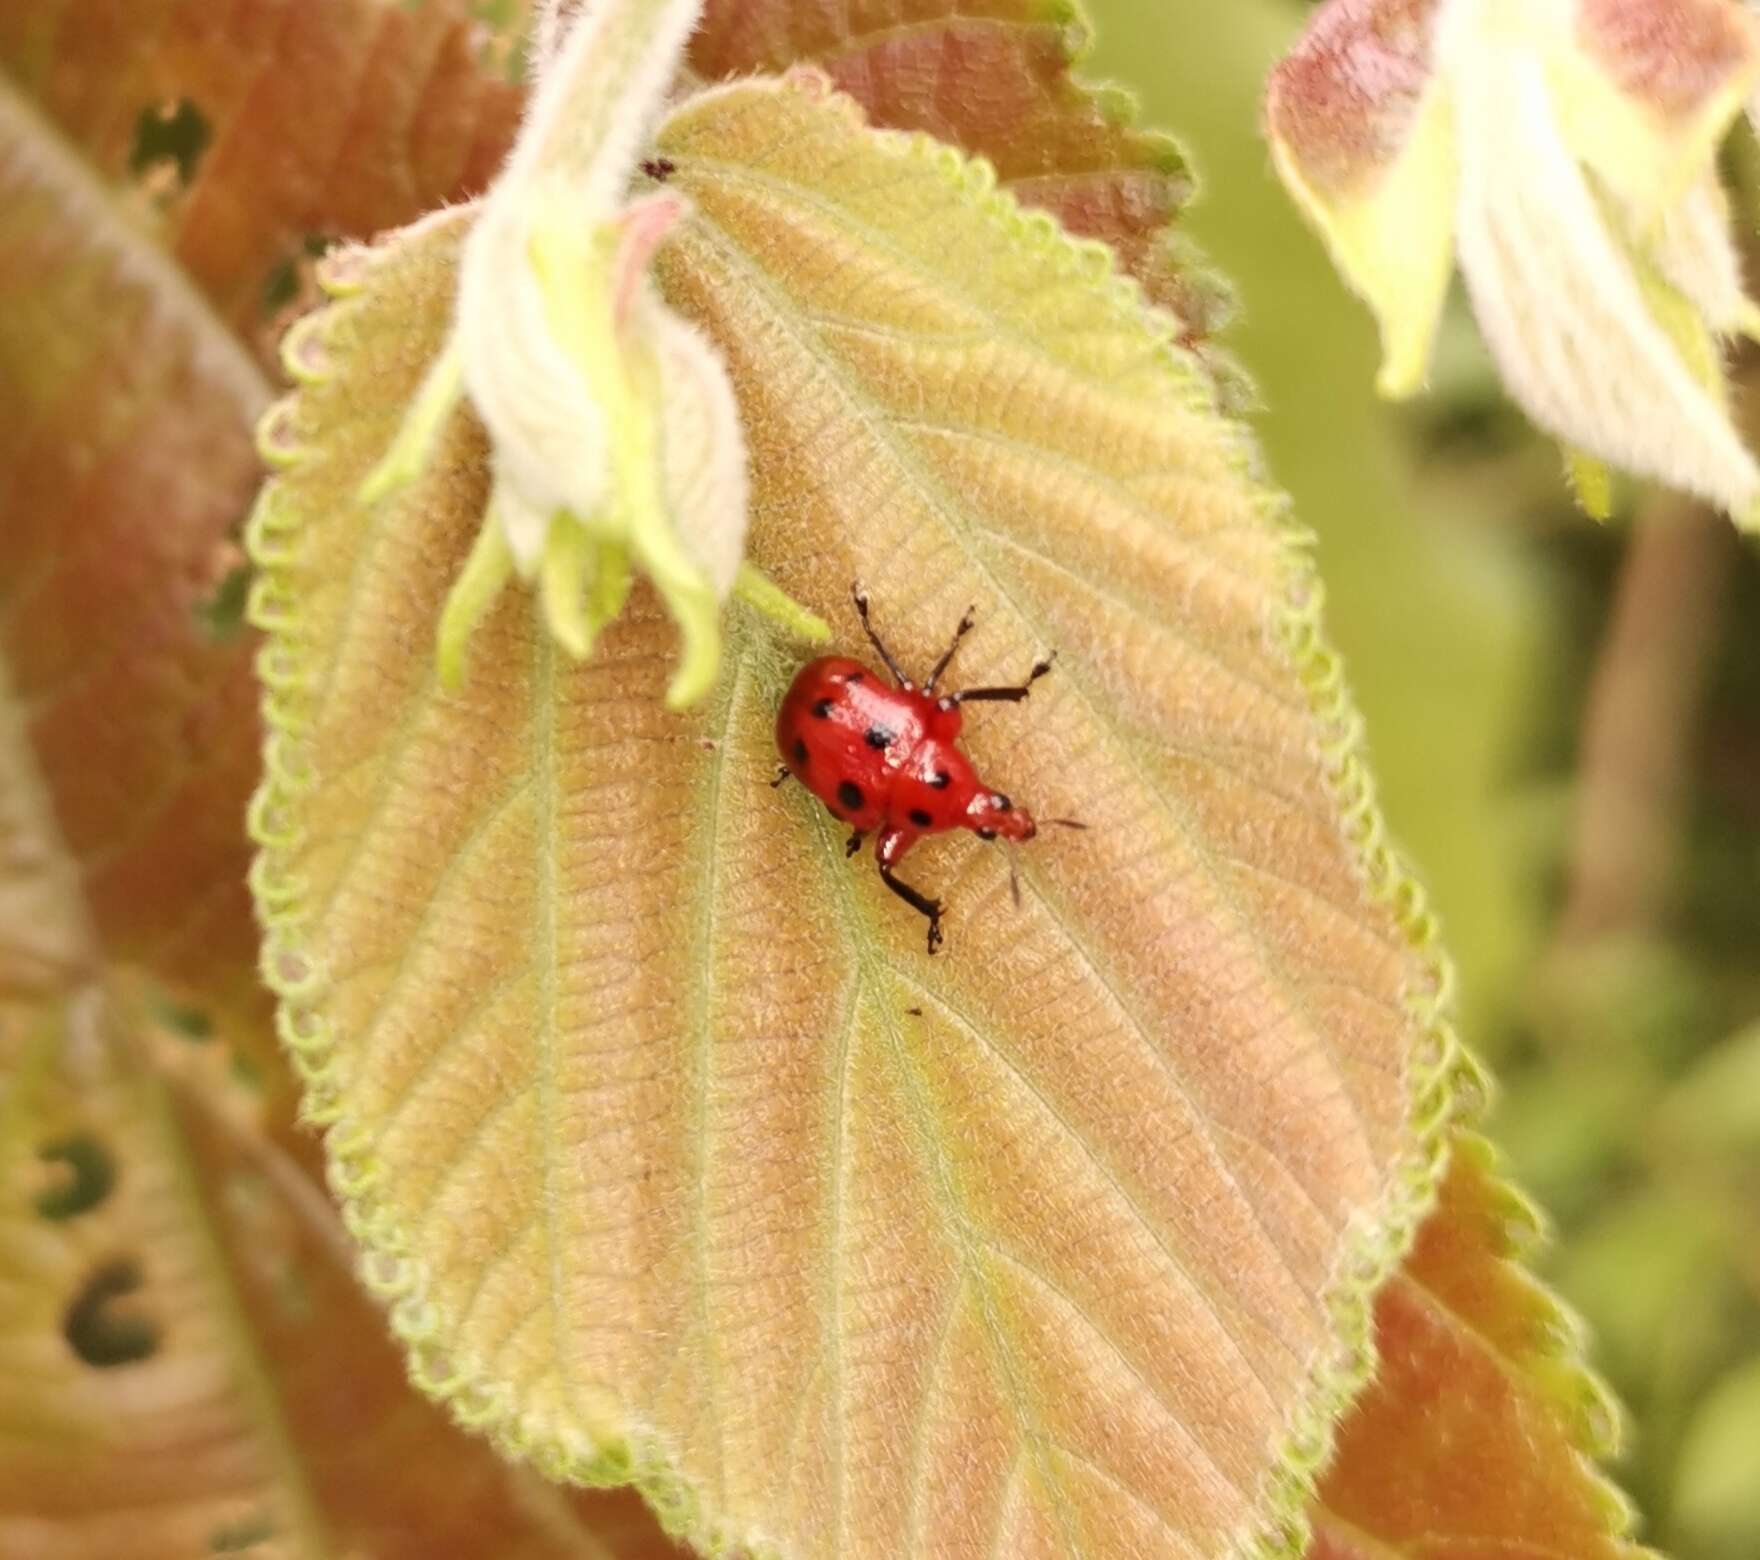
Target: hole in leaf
column 101, row 1333
column 293, row 279
column 220, row 613
column 244, row 1534
column 181, row 1018
column 90, row 1173
column 246, row 1072
column 175, row 132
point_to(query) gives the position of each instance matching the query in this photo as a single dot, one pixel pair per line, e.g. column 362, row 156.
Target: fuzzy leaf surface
column 668, row 1138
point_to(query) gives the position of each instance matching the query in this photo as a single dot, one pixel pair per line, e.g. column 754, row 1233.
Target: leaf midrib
column 704, row 231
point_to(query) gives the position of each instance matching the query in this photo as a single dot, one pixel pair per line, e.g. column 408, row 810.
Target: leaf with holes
column 184, row 101
column 679, row 1159
column 186, row 1362
column 126, row 470
column 250, row 129
column 187, row 1365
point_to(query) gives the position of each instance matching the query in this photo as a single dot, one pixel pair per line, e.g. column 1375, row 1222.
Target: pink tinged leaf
column 642, row 226
column 1560, row 306
column 1649, row 91
column 1676, row 56
column 1362, row 136
column 1342, row 105
column 703, row 449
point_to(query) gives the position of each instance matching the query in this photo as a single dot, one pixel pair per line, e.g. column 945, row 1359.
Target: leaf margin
column 1440, row 1075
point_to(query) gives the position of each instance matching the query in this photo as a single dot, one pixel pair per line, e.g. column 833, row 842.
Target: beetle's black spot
column 985, row 834
column 920, row 818
column 881, row 737
column 941, row 779
column 1000, row 802
column 850, row 794
column 855, row 677
column 822, row 708
column 800, row 752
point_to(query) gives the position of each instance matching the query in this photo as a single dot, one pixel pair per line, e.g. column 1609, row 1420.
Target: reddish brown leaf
column 1475, row 1440
column 996, row 79
column 347, row 116
column 187, row 1365
column 324, row 116
column 126, row 463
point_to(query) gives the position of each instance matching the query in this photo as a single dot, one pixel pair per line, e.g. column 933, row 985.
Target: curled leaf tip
column 762, row 594
column 1591, row 484
column 486, row 571
column 414, row 445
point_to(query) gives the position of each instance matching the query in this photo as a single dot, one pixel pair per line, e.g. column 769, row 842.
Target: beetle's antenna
column 1068, row 823
column 1014, row 879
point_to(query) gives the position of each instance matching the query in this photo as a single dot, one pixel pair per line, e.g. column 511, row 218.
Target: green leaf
column 1718, row 1479
column 1715, row 1109
column 678, row 1159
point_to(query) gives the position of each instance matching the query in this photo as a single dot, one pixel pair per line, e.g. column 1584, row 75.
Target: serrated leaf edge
column 1443, row 1080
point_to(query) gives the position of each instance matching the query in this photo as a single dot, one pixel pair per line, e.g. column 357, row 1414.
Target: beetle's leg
column 888, row 848
column 965, row 627
column 1003, row 695
column 782, row 774
column 860, row 597
column 853, row 843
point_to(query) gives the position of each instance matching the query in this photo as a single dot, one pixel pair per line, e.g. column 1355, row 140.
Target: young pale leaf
column 679, row 1160
column 1477, row 1436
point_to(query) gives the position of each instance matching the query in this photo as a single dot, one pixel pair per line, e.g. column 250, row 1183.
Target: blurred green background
column 1565, row 720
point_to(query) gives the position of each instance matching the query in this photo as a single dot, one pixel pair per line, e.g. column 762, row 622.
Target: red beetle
column 888, row 758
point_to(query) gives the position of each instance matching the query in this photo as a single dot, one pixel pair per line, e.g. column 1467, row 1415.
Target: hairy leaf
column 1476, row 1439
column 126, row 468
column 996, row 80
column 426, row 112
column 187, row 1364
column 681, row 1161
column 152, row 753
